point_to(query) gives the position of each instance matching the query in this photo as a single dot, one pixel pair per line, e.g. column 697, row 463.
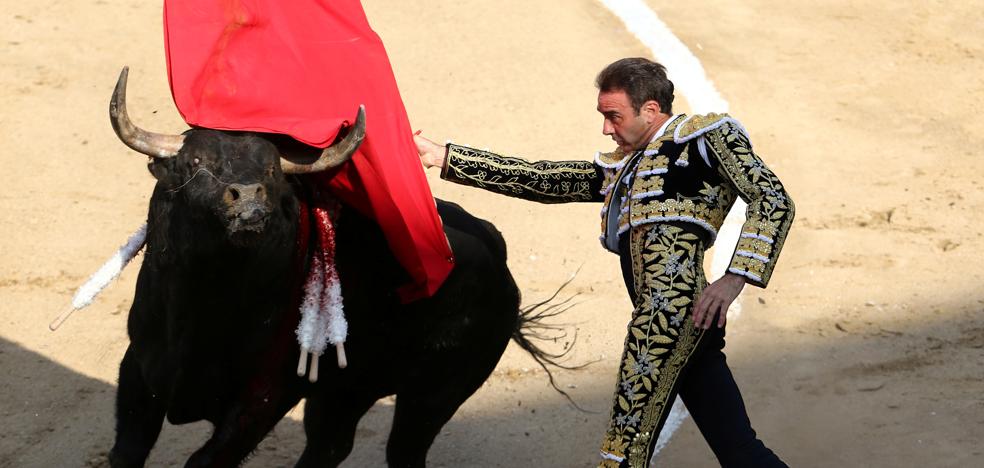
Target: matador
column 665, row 192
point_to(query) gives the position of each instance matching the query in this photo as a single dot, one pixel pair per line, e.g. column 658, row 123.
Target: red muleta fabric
column 302, row 68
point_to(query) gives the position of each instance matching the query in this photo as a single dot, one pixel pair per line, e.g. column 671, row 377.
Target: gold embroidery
column 648, row 184
column 654, row 162
column 755, row 246
column 609, row 197
column 681, row 210
column 736, row 170
column 667, row 267
column 542, row 181
column 613, row 158
column 608, row 464
column 609, row 180
column 749, row 265
column 657, row 162
column 697, row 123
column 683, row 160
column 770, row 210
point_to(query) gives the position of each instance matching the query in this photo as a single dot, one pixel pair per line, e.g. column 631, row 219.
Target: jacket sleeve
column 770, row 209
column 541, row 181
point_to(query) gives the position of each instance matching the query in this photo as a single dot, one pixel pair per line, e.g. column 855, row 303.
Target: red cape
column 302, row 68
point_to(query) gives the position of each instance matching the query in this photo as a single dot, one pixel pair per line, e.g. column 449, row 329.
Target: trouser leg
column 714, row 401
column 661, row 340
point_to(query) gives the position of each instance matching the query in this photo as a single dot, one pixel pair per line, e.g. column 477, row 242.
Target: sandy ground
column 866, row 350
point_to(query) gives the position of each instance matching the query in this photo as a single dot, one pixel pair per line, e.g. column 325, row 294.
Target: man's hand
column 716, row 299
column 431, row 154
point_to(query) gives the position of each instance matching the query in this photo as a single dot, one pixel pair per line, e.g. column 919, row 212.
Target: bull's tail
column 532, row 325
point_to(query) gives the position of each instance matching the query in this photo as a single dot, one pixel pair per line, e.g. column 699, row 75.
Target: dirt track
column 867, row 350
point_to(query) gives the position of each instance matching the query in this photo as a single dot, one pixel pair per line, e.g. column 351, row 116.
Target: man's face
column 631, row 131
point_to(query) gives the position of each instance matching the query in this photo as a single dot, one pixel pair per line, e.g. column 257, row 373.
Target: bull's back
column 459, row 222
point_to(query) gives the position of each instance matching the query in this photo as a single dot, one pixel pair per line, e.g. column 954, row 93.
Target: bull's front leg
column 247, row 423
column 139, row 416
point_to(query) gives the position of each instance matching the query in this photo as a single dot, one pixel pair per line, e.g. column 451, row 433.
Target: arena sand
column 867, row 350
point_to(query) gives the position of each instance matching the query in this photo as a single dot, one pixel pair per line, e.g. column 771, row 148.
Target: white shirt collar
column 662, row 129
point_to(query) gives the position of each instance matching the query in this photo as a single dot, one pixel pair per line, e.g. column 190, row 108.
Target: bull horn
column 157, row 145
column 334, row 155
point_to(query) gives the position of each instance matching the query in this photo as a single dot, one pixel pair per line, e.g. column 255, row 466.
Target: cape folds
column 302, row 68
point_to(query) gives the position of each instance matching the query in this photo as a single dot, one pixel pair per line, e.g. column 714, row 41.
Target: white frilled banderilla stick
column 105, row 275
column 322, row 317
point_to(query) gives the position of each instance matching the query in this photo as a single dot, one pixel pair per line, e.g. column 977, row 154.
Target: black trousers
column 714, row 401
column 662, row 268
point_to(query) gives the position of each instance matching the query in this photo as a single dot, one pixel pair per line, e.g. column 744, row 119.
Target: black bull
column 211, row 328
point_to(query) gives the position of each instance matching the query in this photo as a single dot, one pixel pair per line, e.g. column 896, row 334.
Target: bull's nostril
column 252, row 215
column 234, row 193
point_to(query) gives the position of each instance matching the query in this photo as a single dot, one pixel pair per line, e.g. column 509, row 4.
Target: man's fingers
column 708, row 317
column 714, row 314
column 718, row 311
column 699, row 310
column 428, row 151
column 705, row 310
column 711, row 308
column 420, row 143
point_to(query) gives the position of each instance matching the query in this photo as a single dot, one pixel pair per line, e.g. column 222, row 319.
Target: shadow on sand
column 809, row 391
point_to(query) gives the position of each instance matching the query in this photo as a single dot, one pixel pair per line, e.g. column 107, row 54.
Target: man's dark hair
column 641, row 79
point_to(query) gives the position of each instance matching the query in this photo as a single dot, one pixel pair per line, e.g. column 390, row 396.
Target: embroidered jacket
column 692, row 173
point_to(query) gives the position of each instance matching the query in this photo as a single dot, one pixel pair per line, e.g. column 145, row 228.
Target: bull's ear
column 159, row 168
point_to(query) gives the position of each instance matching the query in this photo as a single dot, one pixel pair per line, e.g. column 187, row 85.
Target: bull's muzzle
column 247, row 208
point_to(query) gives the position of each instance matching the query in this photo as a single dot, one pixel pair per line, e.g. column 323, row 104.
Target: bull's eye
column 195, row 161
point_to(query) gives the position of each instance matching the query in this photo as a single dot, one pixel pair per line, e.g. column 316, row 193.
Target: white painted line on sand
column 683, row 68
column 689, row 78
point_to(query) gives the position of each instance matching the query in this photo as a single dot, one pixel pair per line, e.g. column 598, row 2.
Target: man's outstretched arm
column 541, row 181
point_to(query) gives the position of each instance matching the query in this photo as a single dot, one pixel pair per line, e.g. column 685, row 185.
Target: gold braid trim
column 668, row 271
column 697, row 124
column 770, row 210
column 613, row 164
column 611, row 160
column 541, row 181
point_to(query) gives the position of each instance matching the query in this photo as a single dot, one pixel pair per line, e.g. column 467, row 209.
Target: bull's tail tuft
column 532, row 325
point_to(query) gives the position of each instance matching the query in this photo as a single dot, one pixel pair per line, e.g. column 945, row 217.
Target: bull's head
column 236, row 177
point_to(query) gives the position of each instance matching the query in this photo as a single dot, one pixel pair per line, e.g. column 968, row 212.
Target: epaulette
column 613, row 160
column 699, row 124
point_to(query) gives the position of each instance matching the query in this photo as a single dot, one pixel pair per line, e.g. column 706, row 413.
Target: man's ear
column 652, row 108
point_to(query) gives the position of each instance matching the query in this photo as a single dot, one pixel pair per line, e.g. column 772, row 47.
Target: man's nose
column 607, row 128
